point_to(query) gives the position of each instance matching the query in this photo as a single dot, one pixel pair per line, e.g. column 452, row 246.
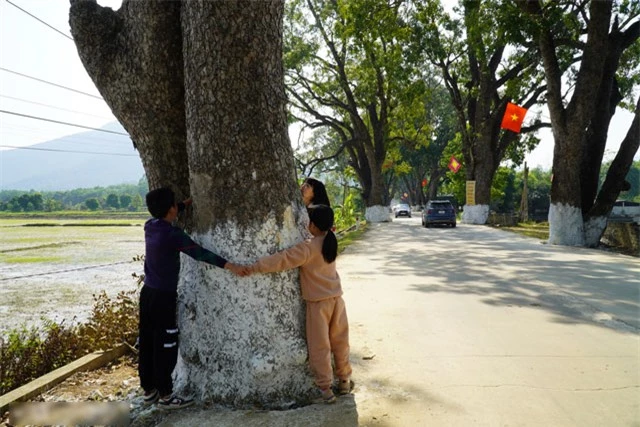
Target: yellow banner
column 471, row 193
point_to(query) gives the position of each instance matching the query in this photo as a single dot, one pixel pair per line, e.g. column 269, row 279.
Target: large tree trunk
column 242, row 340
column 614, row 183
column 566, row 221
column 134, row 57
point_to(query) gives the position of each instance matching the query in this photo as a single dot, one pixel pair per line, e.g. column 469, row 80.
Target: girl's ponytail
column 322, row 217
column 330, row 247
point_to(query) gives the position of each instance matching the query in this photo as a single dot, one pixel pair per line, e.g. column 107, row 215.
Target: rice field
column 51, row 268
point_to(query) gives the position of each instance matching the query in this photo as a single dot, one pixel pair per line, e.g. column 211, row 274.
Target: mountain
column 82, row 160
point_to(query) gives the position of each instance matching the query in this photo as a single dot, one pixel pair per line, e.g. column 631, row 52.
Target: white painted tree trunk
column 242, row 340
column 593, row 230
column 475, row 214
column 377, row 214
column 566, row 226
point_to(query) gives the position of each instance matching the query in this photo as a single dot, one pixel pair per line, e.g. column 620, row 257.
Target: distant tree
column 137, row 203
column 113, row 201
column 92, row 204
column 52, row 205
column 633, row 178
column 125, row 201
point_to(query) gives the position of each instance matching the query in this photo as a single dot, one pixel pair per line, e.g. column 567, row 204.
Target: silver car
column 402, row 210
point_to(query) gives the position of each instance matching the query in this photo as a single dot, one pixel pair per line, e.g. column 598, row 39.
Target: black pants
column 158, row 340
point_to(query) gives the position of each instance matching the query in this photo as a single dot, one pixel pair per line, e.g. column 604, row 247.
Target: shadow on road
column 576, row 285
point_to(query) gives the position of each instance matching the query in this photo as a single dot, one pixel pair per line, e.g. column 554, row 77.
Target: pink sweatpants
column 328, row 332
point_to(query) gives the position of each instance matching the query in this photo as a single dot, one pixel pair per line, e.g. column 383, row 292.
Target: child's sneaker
column 174, row 402
column 345, row 387
column 326, row 396
column 151, row 398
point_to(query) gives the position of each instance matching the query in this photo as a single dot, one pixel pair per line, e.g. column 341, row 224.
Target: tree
column 112, row 201
column 92, row 204
column 607, row 71
column 199, row 86
column 424, row 130
column 485, row 63
column 125, row 200
column 349, row 65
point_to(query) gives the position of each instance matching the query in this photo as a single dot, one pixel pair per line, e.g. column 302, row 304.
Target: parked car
column 439, row 212
column 402, row 210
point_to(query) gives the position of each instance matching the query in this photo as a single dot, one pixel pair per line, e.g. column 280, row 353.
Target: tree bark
column 243, row 339
column 134, row 57
column 614, row 183
column 214, row 126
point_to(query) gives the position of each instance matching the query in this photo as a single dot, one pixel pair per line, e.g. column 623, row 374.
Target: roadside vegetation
column 537, row 230
column 28, row 353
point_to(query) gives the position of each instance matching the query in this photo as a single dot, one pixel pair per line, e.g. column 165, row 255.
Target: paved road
column 474, row 326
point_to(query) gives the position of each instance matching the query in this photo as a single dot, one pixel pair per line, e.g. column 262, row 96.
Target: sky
column 33, row 49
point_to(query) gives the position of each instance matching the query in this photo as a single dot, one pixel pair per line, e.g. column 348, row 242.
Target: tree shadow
column 576, row 285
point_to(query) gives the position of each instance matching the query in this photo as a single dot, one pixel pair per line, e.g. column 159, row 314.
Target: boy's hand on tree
column 239, row 270
column 187, row 202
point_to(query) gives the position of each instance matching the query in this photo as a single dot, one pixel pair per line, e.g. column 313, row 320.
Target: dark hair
column 322, row 217
column 320, row 196
column 159, row 201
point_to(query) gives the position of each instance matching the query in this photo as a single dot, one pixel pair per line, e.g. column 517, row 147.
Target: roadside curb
column 39, row 385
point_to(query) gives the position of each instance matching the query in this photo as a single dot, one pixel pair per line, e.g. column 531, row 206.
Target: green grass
column 30, row 259
column 69, row 222
column 348, row 238
column 538, row 230
column 61, row 215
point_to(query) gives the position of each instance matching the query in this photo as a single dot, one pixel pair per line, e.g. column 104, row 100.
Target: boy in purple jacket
column 158, row 330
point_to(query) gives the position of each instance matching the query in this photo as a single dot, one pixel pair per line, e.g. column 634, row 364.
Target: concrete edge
column 39, row 385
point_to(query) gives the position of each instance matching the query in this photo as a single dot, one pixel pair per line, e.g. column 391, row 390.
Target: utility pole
column 524, row 203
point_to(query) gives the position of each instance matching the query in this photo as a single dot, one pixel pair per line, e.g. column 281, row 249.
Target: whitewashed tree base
column 476, row 214
column 566, row 226
column 242, row 339
column 593, row 230
column 377, row 214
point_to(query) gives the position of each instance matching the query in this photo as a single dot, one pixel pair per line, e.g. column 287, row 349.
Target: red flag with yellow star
column 513, row 117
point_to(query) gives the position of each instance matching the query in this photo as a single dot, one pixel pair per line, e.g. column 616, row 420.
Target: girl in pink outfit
column 327, row 325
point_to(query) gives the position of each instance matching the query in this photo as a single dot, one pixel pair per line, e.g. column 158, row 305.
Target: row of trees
column 392, row 89
column 127, row 197
column 508, row 184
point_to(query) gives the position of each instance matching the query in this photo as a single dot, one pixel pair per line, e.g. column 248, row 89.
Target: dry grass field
column 52, row 268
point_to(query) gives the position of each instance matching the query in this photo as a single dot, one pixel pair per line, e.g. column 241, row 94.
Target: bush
column 28, row 353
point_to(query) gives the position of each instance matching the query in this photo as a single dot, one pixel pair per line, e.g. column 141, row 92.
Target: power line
column 70, row 139
column 53, row 106
column 40, row 20
column 68, row 151
column 50, row 83
column 63, row 123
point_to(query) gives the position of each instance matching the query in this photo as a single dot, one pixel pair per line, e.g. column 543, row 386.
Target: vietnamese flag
column 513, row 117
column 424, row 182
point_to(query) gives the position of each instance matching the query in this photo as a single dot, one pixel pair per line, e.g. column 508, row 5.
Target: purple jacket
column 163, row 244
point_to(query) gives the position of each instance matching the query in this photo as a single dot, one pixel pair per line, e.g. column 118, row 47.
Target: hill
column 82, row 160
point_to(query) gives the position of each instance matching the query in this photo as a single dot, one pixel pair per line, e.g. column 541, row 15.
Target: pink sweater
column 318, row 279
